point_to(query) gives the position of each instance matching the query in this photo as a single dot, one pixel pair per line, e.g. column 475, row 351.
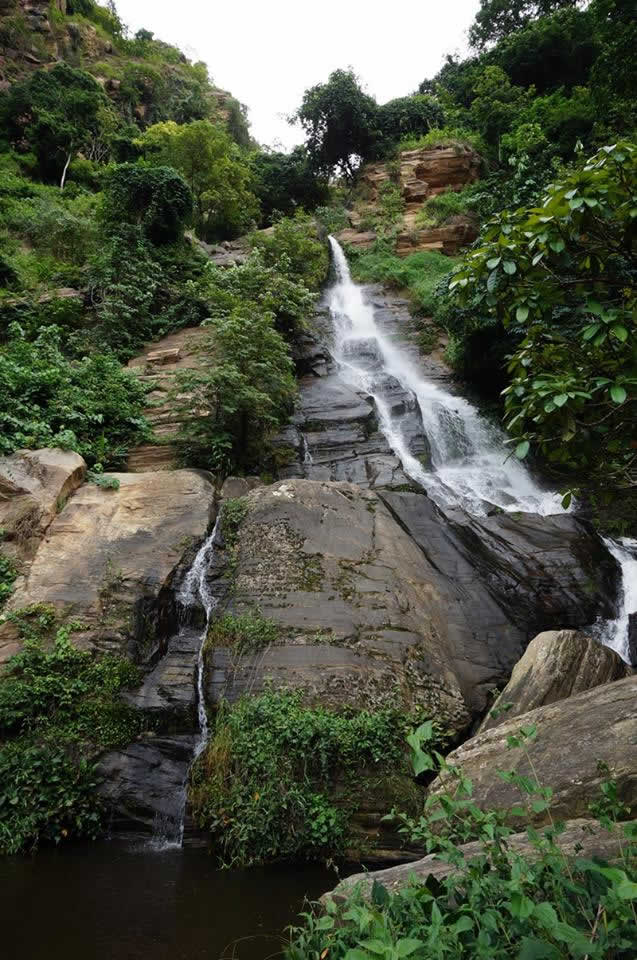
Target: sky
column 267, row 52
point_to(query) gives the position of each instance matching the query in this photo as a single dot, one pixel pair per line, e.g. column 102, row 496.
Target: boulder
column 581, row 837
column 502, row 577
column 557, row 664
column 109, row 557
column 573, row 737
column 361, row 621
column 34, row 486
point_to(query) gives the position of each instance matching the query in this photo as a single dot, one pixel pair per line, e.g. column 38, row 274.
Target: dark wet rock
column 143, row 785
column 632, row 639
column 544, row 571
column 310, row 356
column 573, row 736
column 556, row 664
column 169, row 689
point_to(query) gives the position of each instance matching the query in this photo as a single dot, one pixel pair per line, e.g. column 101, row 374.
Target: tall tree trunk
column 65, row 171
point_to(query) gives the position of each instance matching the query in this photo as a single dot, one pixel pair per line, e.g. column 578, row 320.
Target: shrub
column 92, row 405
column 497, row 903
column 59, row 707
column 560, row 278
column 294, row 249
column 156, row 199
column 264, row 785
column 244, row 633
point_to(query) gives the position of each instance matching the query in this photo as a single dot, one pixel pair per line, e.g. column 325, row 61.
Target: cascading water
column 194, row 591
column 616, row 633
column 469, row 463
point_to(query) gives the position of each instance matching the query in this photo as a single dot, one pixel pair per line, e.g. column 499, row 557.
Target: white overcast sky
column 267, row 52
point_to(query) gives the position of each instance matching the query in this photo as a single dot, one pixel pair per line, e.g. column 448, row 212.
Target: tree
column 500, row 18
column 283, row 182
column 55, row 114
column 497, row 104
column 563, row 276
column 408, row 116
column 245, row 392
column 339, row 120
column 214, row 169
column 155, row 198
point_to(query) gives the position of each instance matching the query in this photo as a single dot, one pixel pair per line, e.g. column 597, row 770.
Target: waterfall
column 169, row 832
column 615, row 633
column 470, row 466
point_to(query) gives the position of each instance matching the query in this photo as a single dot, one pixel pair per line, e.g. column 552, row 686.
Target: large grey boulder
column 109, row 555
column 573, row 736
column 557, row 664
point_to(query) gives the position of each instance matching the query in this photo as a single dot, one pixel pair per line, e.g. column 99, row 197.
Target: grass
column 419, row 273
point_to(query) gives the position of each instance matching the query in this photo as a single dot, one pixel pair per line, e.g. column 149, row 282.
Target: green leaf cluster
column 266, row 786
column 561, row 277
column 59, row 707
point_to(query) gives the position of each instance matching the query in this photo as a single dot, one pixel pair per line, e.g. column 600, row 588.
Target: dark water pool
column 109, row 902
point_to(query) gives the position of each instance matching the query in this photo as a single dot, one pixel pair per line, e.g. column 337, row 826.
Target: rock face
column 361, row 622
column 557, row 664
column 144, row 784
column 158, row 366
column 109, row 554
column 581, row 837
column 421, row 174
column 375, row 599
column 34, row 485
column 573, row 735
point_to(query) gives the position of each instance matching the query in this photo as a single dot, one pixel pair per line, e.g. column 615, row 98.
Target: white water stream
column 470, row 464
column 169, row 833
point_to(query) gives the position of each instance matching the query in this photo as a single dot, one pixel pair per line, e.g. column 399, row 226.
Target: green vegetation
column 90, row 405
column 59, row 708
column 233, row 513
column 419, row 274
column 255, row 309
column 560, row 279
column 244, row 633
column 497, row 904
column 216, row 171
column 265, row 786
column 8, row 574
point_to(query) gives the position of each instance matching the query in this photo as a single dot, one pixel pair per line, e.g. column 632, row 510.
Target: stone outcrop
column 573, row 736
column 581, row 837
column 376, row 600
column 143, row 784
column 557, row 664
column 34, row 486
column 421, row 174
column 158, row 366
column 109, row 556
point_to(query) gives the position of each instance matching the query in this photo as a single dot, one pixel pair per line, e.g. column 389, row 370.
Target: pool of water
column 111, row 902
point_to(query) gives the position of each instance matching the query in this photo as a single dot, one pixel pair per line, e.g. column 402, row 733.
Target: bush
column 497, row 903
column 246, row 392
column 294, row 249
column 264, row 785
column 59, row 707
column 439, row 209
column 560, row 278
column 156, row 199
column 92, row 405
